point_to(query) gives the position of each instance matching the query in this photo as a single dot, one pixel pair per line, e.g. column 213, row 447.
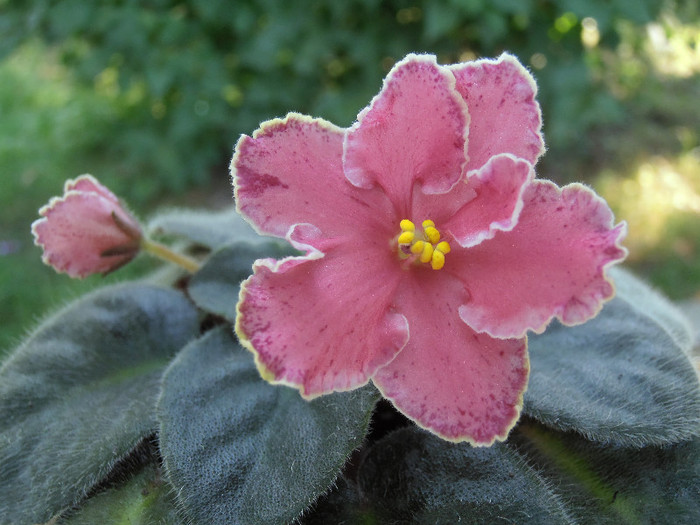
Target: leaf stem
column 163, row 252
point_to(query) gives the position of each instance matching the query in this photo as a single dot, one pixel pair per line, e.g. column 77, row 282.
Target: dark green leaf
column 551, row 477
column 145, row 499
column 341, row 505
column 215, row 286
column 412, row 476
column 652, row 485
column 209, row 229
column 624, row 377
column 80, row 393
column 238, row 450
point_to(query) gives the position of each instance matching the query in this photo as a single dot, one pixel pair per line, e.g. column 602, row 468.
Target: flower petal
column 322, row 323
column 291, row 172
column 413, row 131
column 488, row 201
column 90, row 184
column 505, row 117
column 77, row 228
column 551, row 264
column 450, row 380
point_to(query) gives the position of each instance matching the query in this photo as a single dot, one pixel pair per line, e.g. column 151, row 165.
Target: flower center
column 424, row 245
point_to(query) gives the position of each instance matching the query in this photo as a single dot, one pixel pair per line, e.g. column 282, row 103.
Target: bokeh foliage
column 189, row 76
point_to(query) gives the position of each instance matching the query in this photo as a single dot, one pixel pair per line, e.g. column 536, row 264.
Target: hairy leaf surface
column 80, row 393
column 239, row 450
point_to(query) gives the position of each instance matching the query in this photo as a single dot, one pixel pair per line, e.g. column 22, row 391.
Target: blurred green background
column 151, row 95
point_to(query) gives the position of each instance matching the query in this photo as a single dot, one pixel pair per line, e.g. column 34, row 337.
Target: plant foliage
column 137, row 403
column 189, row 76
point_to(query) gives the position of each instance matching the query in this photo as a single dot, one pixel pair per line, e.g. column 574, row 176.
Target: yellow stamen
column 443, row 247
column 427, row 253
column 438, row 260
column 407, row 226
column 424, row 246
column 432, row 234
column 406, row 237
column 417, row 247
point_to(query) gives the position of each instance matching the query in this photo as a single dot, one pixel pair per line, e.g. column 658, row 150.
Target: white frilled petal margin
column 413, row 132
column 317, row 322
column 290, row 172
column 487, row 201
column 553, row 263
column 505, row 115
column 449, row 379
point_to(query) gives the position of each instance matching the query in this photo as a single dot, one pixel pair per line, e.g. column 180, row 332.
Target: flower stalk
column 163, row 252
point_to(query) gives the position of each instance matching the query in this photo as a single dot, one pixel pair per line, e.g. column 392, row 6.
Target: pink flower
column 86, row 230
column 429, row 248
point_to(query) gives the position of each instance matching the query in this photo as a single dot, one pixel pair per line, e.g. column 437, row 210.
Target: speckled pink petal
column 488, row 201
column 505, row 117
column 414, row 131
column 322, row 323
column 291, row 172
column 552, row 264
column 460, row 385
column 76, row 229
column 90, row 184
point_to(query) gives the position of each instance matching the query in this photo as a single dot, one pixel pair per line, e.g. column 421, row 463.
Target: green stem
column 163, row 252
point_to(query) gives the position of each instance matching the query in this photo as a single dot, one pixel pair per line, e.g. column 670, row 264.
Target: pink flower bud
column 86, row 230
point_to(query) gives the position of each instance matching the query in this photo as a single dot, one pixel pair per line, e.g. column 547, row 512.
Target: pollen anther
column 407, row 226
column 443, row 247
column 432, row 234
column 417, row 247
column 406, row 237
column 426, row 244
column 437, row 261
column 427, row 253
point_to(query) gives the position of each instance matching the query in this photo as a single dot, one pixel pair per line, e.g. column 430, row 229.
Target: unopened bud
column 87, row 230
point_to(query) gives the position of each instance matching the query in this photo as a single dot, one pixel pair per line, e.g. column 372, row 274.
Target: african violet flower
column 87, row 230
column 429, row 248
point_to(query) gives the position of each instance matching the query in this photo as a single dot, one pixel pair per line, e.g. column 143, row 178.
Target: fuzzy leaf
column 623, row 377
column 619, row 485
column 80, row 393
column 206, row 228
column 411, row 476
column 145, row 499
column 215, row 286
column 341, row 505
column 652, row 304
column 238, row 450
column 691, row 309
